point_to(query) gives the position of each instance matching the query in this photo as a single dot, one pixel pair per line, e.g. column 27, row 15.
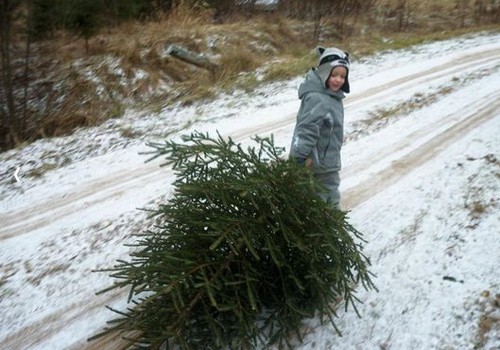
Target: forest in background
column 76, row 63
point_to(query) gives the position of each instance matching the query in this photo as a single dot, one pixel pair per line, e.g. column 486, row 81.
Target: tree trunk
column 402, row 13
column 9, row 120
column 29, row 32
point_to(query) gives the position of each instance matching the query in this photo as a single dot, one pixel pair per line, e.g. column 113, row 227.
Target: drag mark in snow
column 419, row 156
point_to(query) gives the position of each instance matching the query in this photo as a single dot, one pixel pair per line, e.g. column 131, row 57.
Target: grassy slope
column 127, row 66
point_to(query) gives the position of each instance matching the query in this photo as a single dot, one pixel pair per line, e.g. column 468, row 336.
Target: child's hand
column 308, row 162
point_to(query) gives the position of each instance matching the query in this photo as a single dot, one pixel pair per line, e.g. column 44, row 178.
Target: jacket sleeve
column 308, row 126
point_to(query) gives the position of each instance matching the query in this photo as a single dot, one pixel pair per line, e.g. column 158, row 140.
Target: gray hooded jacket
column 319, row 131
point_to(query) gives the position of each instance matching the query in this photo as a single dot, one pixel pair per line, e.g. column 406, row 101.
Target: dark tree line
column 24, row 22
column 86, row 16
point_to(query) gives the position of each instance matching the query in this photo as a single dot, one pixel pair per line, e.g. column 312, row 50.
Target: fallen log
column 196, row 59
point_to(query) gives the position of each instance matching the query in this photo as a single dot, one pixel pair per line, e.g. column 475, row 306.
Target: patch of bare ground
column 489, row 319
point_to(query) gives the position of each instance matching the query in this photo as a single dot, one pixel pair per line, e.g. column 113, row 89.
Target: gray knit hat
column 330, row 58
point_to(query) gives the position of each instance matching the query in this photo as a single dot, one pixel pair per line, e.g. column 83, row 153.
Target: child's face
column 337, row 78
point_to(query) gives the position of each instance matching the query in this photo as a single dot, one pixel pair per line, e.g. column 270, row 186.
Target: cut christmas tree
column 241, row 253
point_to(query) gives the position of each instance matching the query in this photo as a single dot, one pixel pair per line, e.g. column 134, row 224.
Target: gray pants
column 331, row 180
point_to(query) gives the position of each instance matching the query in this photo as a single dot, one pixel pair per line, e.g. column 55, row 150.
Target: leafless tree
column 402, row 14
column 326, row 12
column 9, row 127
column 462, row 10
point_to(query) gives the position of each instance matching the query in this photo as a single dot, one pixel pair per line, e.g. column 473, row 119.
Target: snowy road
column 77, row 219
column 97, row 191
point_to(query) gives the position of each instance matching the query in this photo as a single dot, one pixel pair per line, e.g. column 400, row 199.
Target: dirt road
column 96, row 193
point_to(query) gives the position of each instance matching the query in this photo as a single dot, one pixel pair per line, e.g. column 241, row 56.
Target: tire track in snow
column 434, row 73
column 465, row 115
column 408, row 162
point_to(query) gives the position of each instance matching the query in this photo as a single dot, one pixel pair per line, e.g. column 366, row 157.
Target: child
column 319, row 130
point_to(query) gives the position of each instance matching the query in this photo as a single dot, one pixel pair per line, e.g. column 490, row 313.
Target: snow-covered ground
column 421, row 178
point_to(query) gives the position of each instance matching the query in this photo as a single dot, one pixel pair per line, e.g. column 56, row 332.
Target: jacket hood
column 313, row 83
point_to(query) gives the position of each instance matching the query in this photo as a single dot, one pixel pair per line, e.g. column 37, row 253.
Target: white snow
column 429, row 212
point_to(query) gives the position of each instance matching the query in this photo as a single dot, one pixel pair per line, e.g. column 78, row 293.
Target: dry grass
column 51, row 270
column 127, row 66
